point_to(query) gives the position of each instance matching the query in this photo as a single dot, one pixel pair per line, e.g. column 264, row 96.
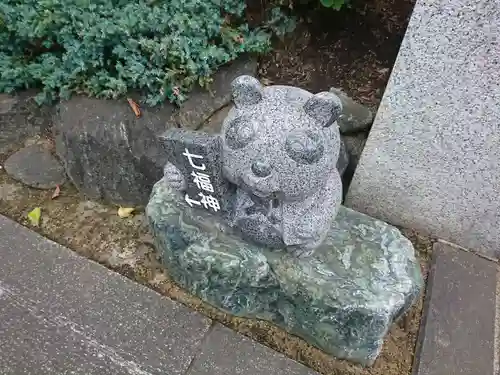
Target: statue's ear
column 325, row 107
column 246, row 90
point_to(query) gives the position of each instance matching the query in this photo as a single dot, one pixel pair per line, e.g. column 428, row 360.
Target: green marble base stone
column 342, row 300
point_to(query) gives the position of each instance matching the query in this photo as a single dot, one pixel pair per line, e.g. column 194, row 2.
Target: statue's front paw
column 174, row 178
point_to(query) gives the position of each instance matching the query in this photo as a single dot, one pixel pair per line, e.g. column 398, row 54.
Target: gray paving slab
column 458, row 329
column 226, row 352
column 63, row 314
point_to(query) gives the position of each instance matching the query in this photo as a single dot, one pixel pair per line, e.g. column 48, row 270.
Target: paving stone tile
column 458, row 328
column 63, row 314
column 226, row 352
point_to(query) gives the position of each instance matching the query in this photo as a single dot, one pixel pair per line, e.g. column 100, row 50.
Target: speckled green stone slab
column 342, row 300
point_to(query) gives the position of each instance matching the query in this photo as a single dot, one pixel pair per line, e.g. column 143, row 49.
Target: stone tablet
column 432, row 159
column 198, row 157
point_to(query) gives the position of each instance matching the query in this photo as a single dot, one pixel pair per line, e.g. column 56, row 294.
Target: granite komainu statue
column 250, row 221
column 279, row 148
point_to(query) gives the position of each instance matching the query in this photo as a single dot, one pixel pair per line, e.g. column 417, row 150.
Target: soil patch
column 97, row 232
column 353, row 49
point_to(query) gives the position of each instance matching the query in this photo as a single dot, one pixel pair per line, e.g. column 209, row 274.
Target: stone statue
column 280, row 147
column 250, row 221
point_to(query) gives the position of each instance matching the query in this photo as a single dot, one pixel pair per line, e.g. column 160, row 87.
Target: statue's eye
column 304, row 147
column 240, row 133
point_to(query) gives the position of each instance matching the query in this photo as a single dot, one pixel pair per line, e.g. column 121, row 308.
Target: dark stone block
column 108, row 152
column 458, row 329
column 202, row 103
column 214, row 124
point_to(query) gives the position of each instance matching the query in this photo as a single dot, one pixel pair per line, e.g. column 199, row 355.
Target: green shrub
column 105, row 48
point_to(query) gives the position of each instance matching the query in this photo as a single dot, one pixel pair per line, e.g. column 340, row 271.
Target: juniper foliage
column 106, row 48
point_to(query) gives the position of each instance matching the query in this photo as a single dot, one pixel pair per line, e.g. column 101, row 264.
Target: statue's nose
column 261, row 168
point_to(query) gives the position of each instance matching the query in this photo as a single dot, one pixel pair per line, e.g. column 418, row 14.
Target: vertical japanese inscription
column 198, row 156
column 202, row 181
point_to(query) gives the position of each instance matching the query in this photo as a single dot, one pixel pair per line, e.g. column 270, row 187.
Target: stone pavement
column 61, row 313
column 459, row 330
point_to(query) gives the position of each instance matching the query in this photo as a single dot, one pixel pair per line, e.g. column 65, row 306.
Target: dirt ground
column 353, row 49
column 97, row 232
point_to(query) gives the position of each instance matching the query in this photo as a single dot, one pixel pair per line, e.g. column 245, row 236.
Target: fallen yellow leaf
column 34, row 216
column 124, row 212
